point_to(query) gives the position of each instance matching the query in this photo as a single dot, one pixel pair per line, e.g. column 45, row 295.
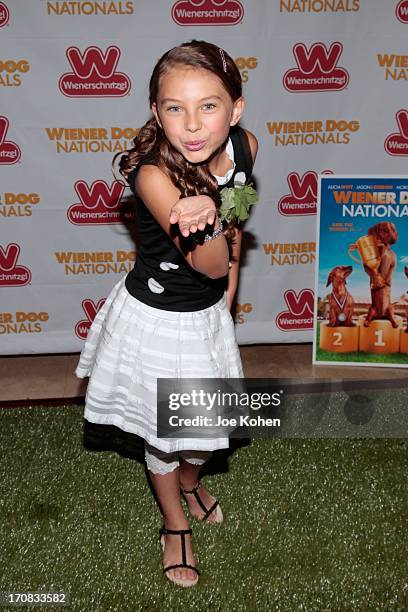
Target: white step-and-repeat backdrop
column 325, row 84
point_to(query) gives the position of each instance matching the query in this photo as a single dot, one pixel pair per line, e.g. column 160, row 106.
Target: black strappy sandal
column 182, row 533
column 207, row 511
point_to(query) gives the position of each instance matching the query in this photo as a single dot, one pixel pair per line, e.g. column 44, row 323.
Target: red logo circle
column 4, row 15
column 402, row 11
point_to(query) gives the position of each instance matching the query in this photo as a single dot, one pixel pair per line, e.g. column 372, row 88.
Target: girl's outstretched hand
column 193, row 213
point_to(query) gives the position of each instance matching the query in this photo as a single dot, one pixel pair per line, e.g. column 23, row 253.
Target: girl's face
column 195, row 111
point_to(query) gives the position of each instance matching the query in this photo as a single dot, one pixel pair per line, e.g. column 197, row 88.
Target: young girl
column 169, row 318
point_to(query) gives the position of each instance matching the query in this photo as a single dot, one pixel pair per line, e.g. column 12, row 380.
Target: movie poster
column 361, row 299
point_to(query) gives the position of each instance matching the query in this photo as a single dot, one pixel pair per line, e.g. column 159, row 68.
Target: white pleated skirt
column 130, row 345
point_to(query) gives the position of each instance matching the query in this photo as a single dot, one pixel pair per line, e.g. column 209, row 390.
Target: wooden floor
column 37, row 377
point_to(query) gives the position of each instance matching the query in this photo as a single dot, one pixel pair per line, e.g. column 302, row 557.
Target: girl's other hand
column 193, row 213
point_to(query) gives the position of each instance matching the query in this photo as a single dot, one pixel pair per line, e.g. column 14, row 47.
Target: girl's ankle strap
column 192, row 490
column 164, row 531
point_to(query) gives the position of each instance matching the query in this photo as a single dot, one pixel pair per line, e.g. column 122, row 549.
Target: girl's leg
column 164, row 474
column 190, row 466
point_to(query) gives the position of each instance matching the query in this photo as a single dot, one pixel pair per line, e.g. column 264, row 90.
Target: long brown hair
column 190, row 179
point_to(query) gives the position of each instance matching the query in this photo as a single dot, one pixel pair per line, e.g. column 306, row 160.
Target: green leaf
column 235, row 202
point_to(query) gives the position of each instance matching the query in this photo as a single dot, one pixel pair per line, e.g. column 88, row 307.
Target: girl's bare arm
column 160, row 196
column 233, row 274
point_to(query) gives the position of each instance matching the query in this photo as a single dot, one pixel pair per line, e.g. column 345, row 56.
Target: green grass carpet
column 310, row 525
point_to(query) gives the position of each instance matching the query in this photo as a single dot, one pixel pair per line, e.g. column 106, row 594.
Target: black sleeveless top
column 161, row 276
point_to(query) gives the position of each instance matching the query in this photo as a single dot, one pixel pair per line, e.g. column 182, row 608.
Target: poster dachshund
column 385, row 234
column 341, row 303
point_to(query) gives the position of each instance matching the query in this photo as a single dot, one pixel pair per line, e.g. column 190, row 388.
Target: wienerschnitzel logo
column 10, row 152
column 207, row 12
column 302, row 199
column 317, row 69
column 99, row 203
column 11, row 274
column 94, row 74
column 402, row 11
column 397, row 143
column 91, row 310
column 299, row 315
column 4, row 15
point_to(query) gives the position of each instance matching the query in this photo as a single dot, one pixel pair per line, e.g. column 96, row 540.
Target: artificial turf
column 310, row 524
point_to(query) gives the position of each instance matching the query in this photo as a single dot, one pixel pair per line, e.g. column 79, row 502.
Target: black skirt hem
column 98, row 437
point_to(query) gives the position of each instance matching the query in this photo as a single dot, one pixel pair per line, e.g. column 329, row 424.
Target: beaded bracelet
column 215, row 233
column 209, row 237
